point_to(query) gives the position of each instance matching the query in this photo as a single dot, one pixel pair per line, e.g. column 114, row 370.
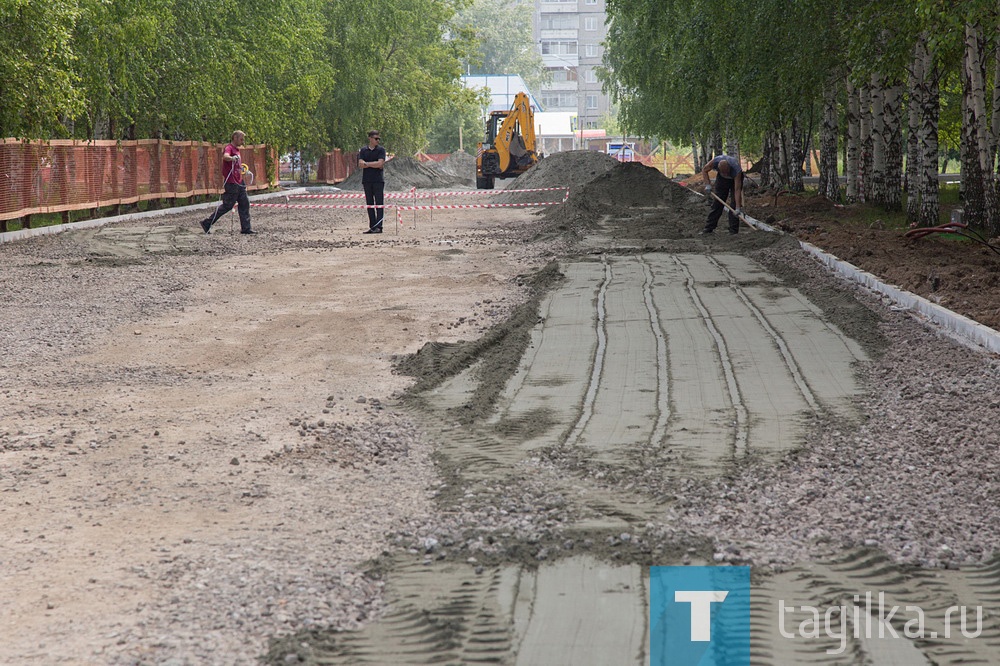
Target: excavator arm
column 515, row 139
column 509, row 146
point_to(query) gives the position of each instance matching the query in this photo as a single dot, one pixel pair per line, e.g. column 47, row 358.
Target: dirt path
column 470, row 439
column 198, row 471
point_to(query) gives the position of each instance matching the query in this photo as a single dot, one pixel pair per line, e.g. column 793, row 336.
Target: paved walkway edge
column 962, row 327
column 24, row 234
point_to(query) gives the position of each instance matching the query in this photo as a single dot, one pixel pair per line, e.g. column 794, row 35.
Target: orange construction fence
column 63, row 175
column 335, row 166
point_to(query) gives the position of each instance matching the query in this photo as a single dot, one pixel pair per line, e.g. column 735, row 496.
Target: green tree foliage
column 37, row 86
column 116, row 46
column 701, row 67
column 395, row 69
column 495, row 37
column 503, row 36
column 465, row 112
column 307, row 74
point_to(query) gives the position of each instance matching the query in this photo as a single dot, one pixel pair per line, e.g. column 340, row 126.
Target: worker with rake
column 728, row 182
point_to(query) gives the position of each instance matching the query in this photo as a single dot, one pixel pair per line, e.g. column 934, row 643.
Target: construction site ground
column 466, row 439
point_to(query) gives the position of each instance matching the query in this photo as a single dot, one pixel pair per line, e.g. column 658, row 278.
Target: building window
column 591, row 2
column 562, row 74
column 552, row 99
column 559, row 48
column 557, row 22
column 591, row 101
column 590, row 124
column 592, row 50
column 590, row 23
column 590, row 76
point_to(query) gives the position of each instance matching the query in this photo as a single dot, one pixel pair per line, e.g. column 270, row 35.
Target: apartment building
column 569, row 35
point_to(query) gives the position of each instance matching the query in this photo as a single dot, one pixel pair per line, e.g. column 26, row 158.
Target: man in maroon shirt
column 235, row 191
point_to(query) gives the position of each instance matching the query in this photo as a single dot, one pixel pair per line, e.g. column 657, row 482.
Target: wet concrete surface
column 653, row 354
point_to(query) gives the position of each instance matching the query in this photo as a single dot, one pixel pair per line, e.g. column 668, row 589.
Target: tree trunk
column 915, row 92
column 851, row 161
column 795, row 158
column 732, row 146
column 696, row 154
column 866, row 144
column 893, row 146
column 878, row 191
column 930, row 112
column 781, row 151
column 768, row 173
column 980, row 208
column 995, row 122
column 829, row 179
column 807, row 154
column 717, row 143
column 977, row 96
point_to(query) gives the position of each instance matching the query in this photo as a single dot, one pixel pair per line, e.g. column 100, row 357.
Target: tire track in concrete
column 597, row 365
column 742, row 425
column 663, row 389
column 754, row 358
column 574, row 611
column 630, row 404
column 786, row 355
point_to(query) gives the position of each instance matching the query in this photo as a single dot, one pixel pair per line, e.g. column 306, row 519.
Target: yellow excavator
column 509, row 146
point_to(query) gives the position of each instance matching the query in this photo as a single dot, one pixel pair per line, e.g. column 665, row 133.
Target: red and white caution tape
column 500, row 205
column 291, row 205
column 425, row 195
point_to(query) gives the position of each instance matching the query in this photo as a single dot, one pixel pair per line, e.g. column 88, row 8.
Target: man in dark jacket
column 371, row 159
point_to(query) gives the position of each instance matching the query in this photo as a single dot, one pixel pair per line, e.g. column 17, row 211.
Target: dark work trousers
column 374, row 196
column 234, row 195
column 724, row 189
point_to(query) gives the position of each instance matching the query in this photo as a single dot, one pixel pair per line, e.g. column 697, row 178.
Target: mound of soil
column 460, row 166
column 571, row 169
column 402, row 173
column 628, row 185
column 644, row 203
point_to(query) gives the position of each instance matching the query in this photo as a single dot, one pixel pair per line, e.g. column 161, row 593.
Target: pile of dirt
column 631, row 185
column 570, row 169
column 639, row 197
column 460, row 166
column 402, row 173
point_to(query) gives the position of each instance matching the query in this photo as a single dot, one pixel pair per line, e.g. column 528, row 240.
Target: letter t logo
column 701, row 610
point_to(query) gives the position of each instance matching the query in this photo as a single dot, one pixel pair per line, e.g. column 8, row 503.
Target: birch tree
column 930, row 110
column 914, row 155
column 853, row 148
column 893, row 145
column 980, row 193
column 878, row 143
column 829, row 180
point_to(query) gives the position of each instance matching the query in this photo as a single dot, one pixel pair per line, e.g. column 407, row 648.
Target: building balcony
column 563, row 35
column 559, row 60
column 561, row 86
